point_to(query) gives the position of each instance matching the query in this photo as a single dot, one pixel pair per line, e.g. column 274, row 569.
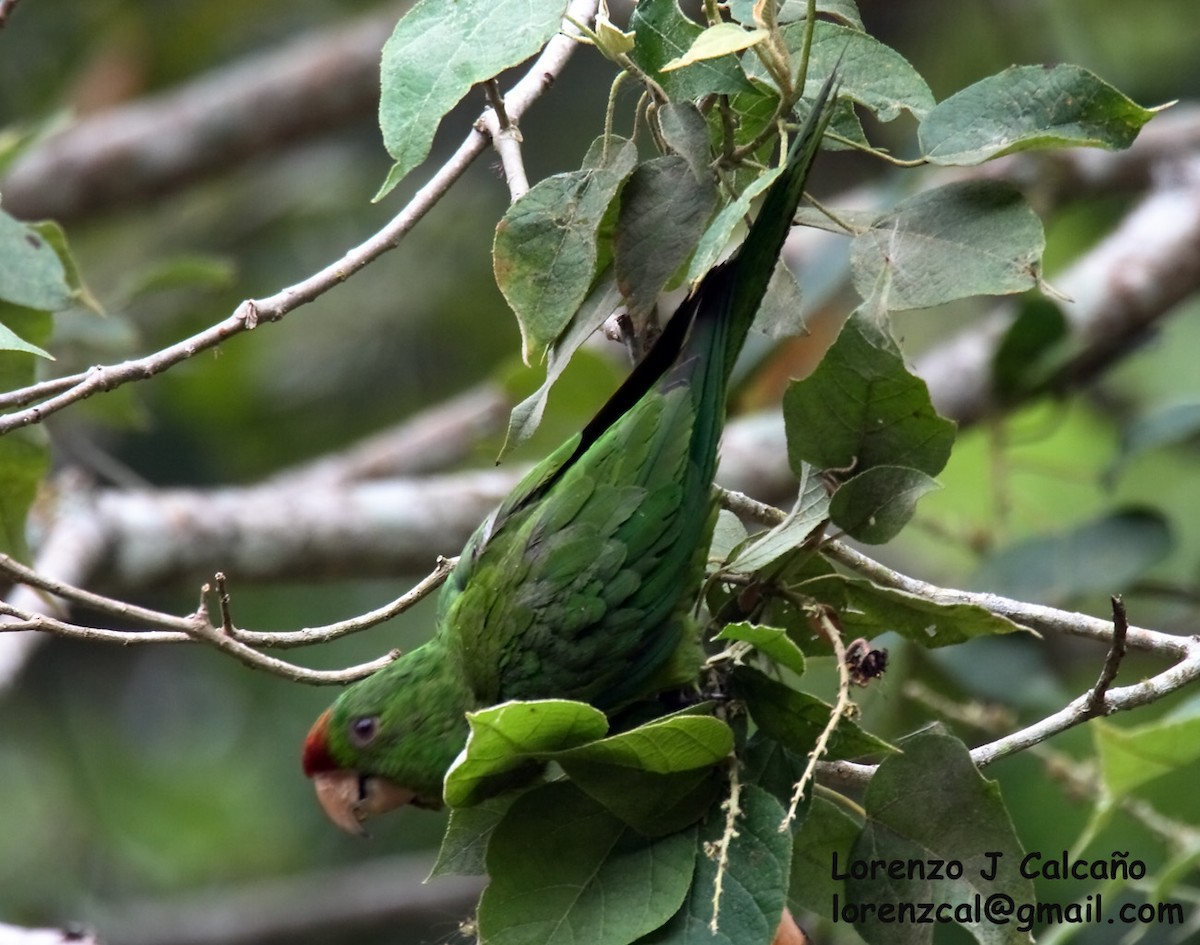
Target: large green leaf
column 665, row 207
column 870, row 73
column 438, row 52
column 931, row 804
column 600, row 303
column 827, row 831
column 1131, row 756
column 862, row 408
column 566, row 871
column 1026, row 107
column 506, row 737
column 545, row 252
column 464, row 846
column 960, row 240
column 867, row 610
column 753, row 884
column 663, row 33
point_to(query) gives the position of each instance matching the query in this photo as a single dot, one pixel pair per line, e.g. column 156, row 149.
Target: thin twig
column 310, row 635
column 254, row 312
column 106, row 605
column 1033, row 616
column 1112, row 662
column 170, row 628
column 719, row 850
column 842, row 706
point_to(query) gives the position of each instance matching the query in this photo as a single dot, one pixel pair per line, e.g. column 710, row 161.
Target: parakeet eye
column 364, row 729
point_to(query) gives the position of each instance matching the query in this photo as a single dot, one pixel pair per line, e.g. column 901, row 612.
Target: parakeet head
column 388, row 740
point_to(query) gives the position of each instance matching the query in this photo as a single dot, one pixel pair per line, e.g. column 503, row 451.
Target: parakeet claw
column 348, row 798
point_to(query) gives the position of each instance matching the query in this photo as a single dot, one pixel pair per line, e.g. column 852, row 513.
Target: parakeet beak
column 348, row 797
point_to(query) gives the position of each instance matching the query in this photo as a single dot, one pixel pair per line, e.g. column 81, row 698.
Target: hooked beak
column 348, row 798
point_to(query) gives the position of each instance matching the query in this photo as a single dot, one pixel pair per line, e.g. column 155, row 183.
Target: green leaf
column 54, row 234
column 464, row 846
column 781, row 313
column 862, row 408
column 438, row 52
column 601, row 302
column 770, row 641
column 1104, row 555
column 1031, row 351
column 24, row 453
column 1136, row 755
column 11, row 341
column 31, row 273
column 776, row 768
column 792, row 10
column 827, row 831
column 960, row 240
column 506, row 737
column 664, row 34
column 931, row 803
column 686, row 134
column 545, row 252
column 796, row 719
column 1027, row 107
column 876, row 504
column 721, row 39
column 754, row 884
column 728, row 534
column 652, row 804
column 24, row 462
column 675, row 743
column 712, row 244
column 664, row 210
column 870, row 73
column 810, row 510
column 565, row 870
column 867, row 610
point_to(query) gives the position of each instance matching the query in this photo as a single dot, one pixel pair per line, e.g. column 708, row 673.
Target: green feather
column 579, row 585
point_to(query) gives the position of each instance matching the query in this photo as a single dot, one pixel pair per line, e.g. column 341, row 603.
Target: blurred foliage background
column 134, row 782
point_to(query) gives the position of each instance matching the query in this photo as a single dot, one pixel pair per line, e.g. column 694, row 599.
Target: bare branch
column 1078, row 711
column 1034, row 616
column 380, row 894
column 506, row 139
column 322, row 80
column 203, row 630
column 253, row 312
column 15, row 935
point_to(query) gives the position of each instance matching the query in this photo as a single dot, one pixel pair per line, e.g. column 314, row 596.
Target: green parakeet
column 579, row 585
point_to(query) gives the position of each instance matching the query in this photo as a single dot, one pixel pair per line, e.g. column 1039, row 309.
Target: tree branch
column 263, row 103
column 382, row 894
column 253, row 312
